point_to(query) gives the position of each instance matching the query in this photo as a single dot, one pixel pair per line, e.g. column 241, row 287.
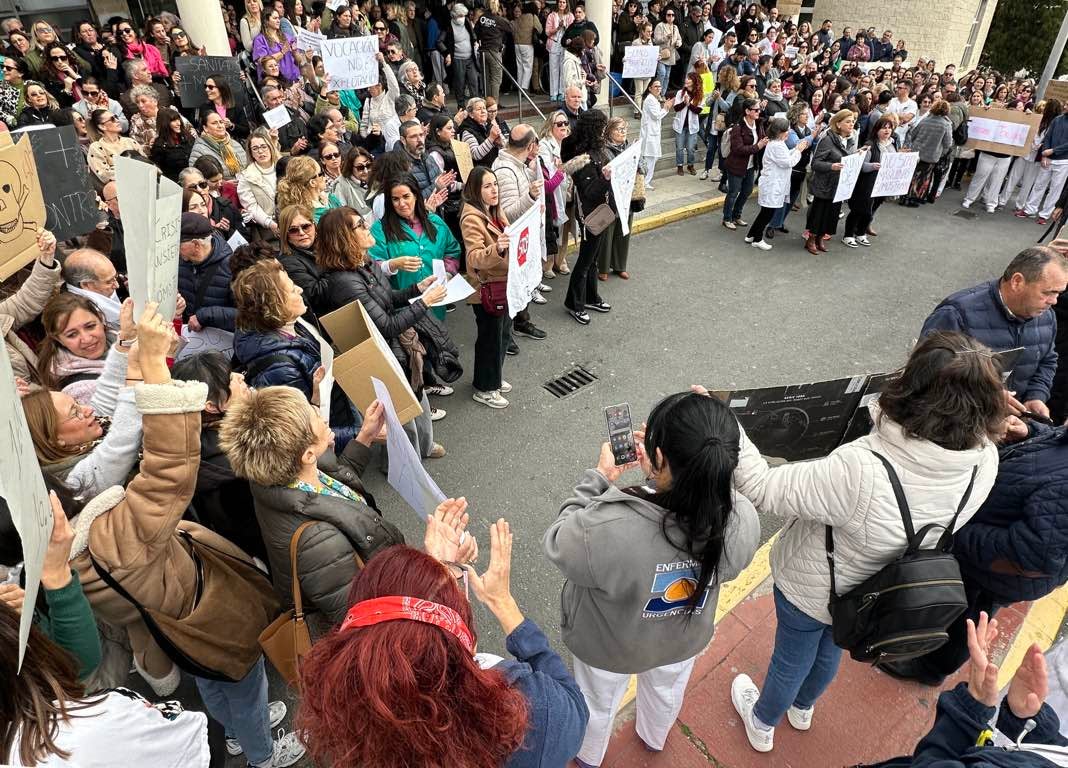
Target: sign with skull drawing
column 22, row 209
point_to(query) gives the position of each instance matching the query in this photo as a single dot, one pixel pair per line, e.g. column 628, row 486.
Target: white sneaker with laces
column 505, row 387
column 863, row 240
column 744, row 695
column 545, row 288
column 287, row 751
column 437, row 414
column 492, row 399
column 537, row 298
column 276, row 710
column 748, row 239
column 850, row 241
column 800, row 719
column 442, row 390
column 703, row 176
column 966, row 204
column 762, row 245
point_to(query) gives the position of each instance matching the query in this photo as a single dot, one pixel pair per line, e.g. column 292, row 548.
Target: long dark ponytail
column 698, row 437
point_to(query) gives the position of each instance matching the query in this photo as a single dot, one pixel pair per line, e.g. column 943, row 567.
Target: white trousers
column 989, row 173
column 660, row 695
column 1058, row 172
column 524, row 62
column 556, row 70
column 1023, row 173
column 650, row 167
column 1038, row 190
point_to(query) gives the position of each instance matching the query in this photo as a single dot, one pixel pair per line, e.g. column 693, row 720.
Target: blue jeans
column 803, row 664
column 241, row 708
column 687, row 141
column 663, row 72
column 738, row 190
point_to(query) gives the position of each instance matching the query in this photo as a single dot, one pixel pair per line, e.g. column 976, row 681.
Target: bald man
column 91, row 274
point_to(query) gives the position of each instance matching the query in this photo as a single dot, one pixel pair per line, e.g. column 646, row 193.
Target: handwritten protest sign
column 406, row 472
column 895, row 173
column 151, row 215
column 23, row 489
column 847, row 177
column 22, row 208
column 624, row 172
column 525, row 253
column 640, row 60
column 309, row 41
column 69, row 201
column 196, row 69
column 277, row 117
column 205, row 340
column 351, row 62
column 464, row 162
column 1007, row 131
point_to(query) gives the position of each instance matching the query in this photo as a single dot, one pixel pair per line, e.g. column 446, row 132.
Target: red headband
column 396, row 608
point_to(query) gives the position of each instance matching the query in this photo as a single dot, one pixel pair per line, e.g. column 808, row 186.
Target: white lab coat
column 775, row 174
column 652, row 117
column 686, row 121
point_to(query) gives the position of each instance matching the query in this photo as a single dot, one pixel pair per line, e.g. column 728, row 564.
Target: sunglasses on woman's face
column 380, row 29
column 59, row 58
column 209, row 87
column 361, row 167
column 9, row 68
column 197, row 185
column 560, row 124
column 301, row 229
column 331, row 156
column 126, row 31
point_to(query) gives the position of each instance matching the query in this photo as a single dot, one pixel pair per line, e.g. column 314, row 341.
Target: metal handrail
column 524, row 94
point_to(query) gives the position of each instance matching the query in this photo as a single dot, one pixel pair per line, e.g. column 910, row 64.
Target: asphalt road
column 701, row 306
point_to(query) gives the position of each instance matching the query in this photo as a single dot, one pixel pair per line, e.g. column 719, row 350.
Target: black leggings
column 756, row 231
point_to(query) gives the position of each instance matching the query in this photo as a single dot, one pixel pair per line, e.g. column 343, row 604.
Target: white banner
column 624, row 172
column 309, row 41
column 351, row 62
column 640, row 60
column 525, row 251
column 152, row 224
column 847, row 177
column 895, row 173
column 998, row 131
column 23, row 489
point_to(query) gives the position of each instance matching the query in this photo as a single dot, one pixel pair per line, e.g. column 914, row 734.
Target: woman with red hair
column 403, row 666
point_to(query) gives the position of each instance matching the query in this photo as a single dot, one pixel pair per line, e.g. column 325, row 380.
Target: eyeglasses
column 561, row 124
column 260, row 148
column 85, row 91
column 359, row 222
column 380, row 29
column 126, row 31
column 361, row 167
column 177, row 33
column 301, row 229
column 319, row 175
column 78, row 414
column 8, row 68
column 111, row 119
column 331, row 156
column 197, row 185
column 58, row 58
column 210, row 87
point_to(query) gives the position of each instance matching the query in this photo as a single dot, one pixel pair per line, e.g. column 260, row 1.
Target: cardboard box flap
column 346, row 326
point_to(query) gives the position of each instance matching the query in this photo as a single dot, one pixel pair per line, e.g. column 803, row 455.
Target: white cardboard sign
column 351, row 62
column 277, row 117
column 624, row 172
column 895, row 173
column 309, row 41
column 525, row 251
column 847, row 177
column 640, row 60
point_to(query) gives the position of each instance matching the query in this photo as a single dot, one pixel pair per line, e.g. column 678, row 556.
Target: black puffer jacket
column 325, row 556
column 215, row 308
column 172, row 158
column 300, row 265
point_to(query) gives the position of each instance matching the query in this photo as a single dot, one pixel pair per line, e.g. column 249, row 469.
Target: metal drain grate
column 964, row 214
column 570, row 382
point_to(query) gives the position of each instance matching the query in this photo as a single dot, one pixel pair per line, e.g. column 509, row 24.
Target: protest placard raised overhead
column 22, row 208
column 640, row 60
column 196, row 69
column 69, row 200
column 351, row 62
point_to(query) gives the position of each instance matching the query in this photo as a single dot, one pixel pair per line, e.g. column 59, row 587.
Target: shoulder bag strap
column 899, row 494
column 298, row 601
column 947, row 534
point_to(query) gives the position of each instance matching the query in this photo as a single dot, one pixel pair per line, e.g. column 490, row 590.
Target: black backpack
column 903, row 610
column 960, row 133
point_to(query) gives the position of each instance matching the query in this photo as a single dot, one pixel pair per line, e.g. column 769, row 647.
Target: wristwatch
column 127, row 343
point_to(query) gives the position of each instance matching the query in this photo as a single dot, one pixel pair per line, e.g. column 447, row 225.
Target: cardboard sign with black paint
column 196, row 69
column 70, row 203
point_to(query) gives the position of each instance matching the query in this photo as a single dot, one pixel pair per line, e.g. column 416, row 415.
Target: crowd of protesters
column 192, row 498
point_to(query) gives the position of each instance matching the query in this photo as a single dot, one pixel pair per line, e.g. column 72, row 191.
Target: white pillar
column 203, row 21
column 600, row 13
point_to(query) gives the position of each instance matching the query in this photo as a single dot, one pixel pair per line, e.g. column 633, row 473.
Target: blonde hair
column 265, row 434
column 261, row 305
column 840, row 116
column 295, row 188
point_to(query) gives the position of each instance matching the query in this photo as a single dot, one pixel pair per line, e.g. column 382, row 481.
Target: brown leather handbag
column 286, row 640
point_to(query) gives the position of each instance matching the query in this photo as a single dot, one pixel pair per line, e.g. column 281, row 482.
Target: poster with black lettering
column 799, row 421
column 196, row 69
column 69, row 200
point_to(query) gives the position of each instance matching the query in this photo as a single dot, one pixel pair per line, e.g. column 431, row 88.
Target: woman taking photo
column 257, row 186
column 687, row 122
column 408, row 229
column 746, row 140
column 837, row 142
column 221, row 102
column 554, row 130
column 483, row 223
column 304, row 184
column 686, row 538
column 779, row 161
column 935, row 425
column 518, row 713
column 214, row 141
column 861, row 204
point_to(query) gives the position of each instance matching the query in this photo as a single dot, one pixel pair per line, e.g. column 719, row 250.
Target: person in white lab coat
column 653, row 114
column 774, row 178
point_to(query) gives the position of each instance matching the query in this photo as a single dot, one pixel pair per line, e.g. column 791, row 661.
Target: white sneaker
column 545, row 288
column 800, row 719
column 442, row 390
column 505, row 387
column 276, row 710
column 649, row 185
column 966, row 204
column 437, row 414
column 537, row 298
column 748, row 239
column 161, row 686
column 492, row 399
column 850, row 241
column 990, row 209
column 863, row 240
column 744, row 695
column 703, row 176
column 287, row 751
column 762, row 245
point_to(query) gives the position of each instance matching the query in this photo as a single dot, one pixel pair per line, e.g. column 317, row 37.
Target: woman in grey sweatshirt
column 644, row 565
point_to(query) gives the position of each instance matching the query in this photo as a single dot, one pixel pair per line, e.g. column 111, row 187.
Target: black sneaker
column 529, row 330
column 513, row 348
column 582, row 318
column 600, row 306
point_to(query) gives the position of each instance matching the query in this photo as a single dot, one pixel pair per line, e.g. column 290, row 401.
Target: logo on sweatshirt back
column 673, row 584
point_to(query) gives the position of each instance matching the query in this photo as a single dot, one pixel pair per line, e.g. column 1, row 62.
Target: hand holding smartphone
column 621, row 434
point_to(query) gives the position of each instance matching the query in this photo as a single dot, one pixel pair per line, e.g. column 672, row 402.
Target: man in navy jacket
column 1014, row 311
column 204, row 275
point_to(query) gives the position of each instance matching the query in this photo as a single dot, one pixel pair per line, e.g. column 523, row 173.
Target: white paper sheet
column 525, row 252
column 640, row 60
column 309, row 41
column 23, row 489
column 326, row 356
column 624, row 172
column 406, row 472
column 277, row 117
column 205, row 340
column 457, row 289
column 236, row 241
column 847, row 177
column 351, row 62
column 895, row 173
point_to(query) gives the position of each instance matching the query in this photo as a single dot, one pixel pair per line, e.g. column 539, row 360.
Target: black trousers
column 582, row 288
column 859, row 218
column 490, row 345
column 823, row 216
column 760, row 223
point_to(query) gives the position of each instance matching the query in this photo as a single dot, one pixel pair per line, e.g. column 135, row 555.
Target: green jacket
column 443, row 246
column 70, row 625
